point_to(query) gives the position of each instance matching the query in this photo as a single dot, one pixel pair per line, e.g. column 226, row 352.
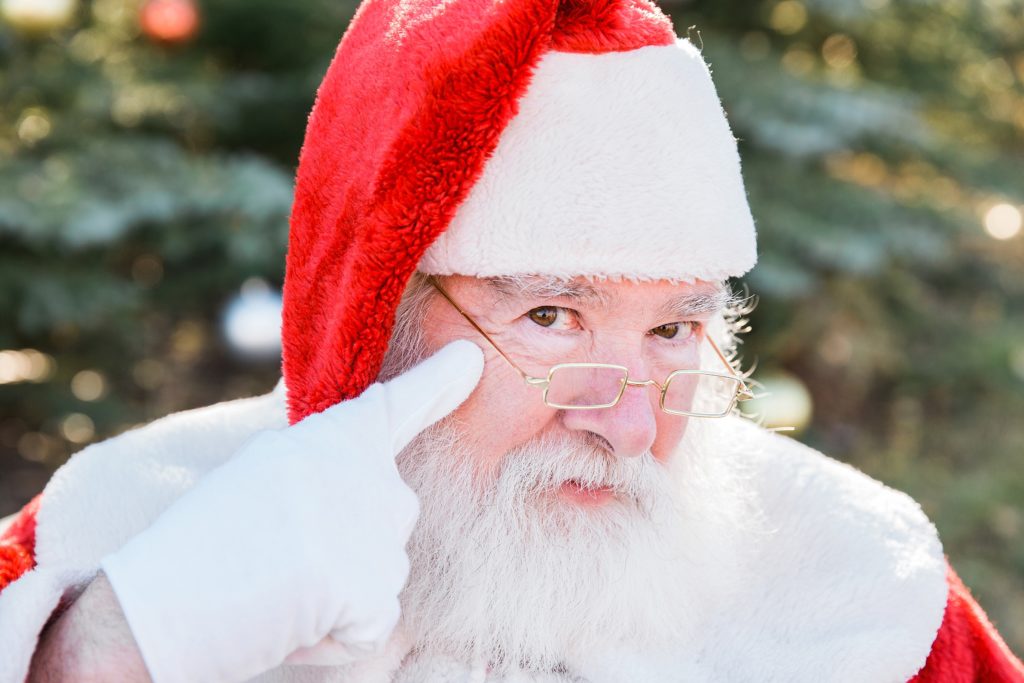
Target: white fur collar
column 851, row 587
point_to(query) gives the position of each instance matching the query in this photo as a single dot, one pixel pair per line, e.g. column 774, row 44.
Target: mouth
column 586, row 495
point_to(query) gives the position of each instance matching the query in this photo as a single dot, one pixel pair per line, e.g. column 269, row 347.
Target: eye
column 680, row 330
column 548, row 316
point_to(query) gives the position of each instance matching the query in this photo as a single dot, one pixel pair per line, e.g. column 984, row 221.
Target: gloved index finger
column 427, row 392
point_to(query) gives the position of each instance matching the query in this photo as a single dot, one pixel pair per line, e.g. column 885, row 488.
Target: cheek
column 671, row 429
column 500, row 414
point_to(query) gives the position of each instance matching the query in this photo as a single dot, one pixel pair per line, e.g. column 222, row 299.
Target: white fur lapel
column 111, row 491
column 851, row 586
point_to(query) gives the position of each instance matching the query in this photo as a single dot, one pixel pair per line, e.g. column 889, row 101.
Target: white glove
column 300, row 536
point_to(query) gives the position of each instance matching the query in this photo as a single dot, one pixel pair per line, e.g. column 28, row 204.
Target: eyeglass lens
column 700, row 394
column 585, row 387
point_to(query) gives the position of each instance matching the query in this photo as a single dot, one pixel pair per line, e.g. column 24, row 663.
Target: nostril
column 599, row 441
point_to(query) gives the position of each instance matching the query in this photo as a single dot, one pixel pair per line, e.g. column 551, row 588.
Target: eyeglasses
column 590, row 386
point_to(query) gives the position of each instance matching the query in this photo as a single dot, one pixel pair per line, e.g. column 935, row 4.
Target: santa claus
column 505, row 447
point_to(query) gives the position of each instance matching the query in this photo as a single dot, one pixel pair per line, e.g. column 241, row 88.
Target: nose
column 629, row 426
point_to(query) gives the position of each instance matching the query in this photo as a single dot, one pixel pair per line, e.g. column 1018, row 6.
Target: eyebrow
column 546, row 287
column 696, row 303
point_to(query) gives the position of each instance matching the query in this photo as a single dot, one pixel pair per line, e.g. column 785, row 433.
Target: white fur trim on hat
column 618, row 165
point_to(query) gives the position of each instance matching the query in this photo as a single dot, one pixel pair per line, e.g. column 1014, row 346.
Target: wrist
column 88, row 641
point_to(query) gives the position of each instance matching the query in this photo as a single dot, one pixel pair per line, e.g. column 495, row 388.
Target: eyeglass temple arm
column 527, row 378
column 732, row 371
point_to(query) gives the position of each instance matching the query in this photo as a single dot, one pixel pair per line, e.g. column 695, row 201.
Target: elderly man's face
column 651, row 328
column 546, row 532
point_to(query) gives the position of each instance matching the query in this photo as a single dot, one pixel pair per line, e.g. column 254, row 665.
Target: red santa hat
column 499, row 137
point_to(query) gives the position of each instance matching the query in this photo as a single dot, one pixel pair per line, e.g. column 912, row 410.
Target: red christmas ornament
column 169, row 21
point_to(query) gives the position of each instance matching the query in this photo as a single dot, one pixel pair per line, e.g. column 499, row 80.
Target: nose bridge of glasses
column 643, row 383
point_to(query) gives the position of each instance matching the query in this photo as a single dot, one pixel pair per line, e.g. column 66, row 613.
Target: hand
column 299, row 536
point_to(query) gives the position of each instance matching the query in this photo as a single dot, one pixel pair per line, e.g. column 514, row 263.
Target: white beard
column 506, row 573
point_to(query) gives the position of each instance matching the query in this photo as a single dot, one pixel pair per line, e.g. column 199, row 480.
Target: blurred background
column 146, row 156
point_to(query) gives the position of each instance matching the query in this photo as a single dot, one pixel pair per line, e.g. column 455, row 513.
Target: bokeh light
column 26, row 365
column 169, row 21
column 1003, row 221
column 33, row 126
column 88, row 385
column 37, row 15
column 782, row 402
column 252, row 321
column 788, row 17
column 78, row 428
column 38, row 447
column 839, row 51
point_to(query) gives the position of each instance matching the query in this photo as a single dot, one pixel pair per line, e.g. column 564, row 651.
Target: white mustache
column 540, row 468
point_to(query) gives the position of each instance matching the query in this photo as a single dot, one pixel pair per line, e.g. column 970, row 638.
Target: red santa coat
column 853, row 586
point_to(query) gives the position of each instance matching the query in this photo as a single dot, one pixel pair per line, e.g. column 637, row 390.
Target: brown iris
column 544, row 316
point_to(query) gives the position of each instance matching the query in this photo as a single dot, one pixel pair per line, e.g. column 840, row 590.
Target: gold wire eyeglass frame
column 742, row 392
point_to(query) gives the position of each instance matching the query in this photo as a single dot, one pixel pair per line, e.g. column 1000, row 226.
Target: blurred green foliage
column 142, row 182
